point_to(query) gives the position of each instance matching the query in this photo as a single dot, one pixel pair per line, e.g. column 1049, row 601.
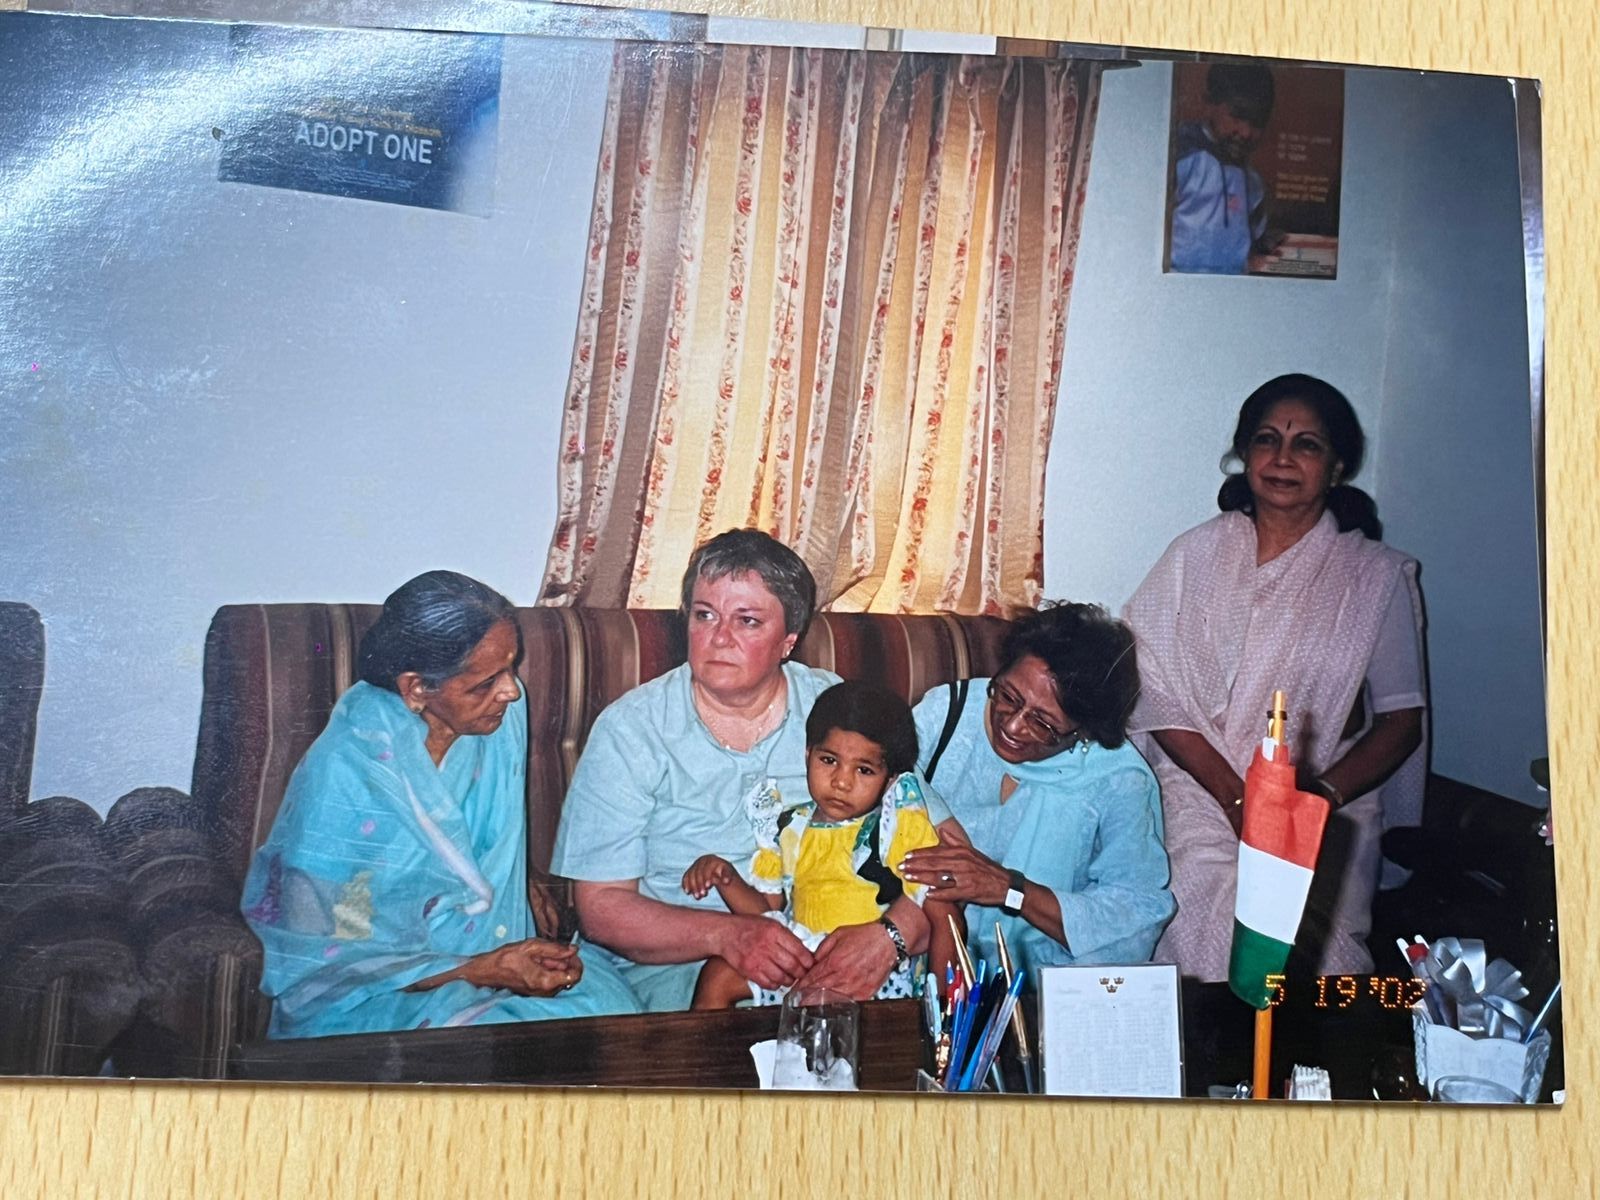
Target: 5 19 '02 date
column 1341, row 991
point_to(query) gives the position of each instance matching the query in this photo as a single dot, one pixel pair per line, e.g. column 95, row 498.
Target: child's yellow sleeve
column 912, row 831
column 766, row 870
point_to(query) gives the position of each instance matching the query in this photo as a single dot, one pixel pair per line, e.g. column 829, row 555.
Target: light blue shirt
column 654, row 791
column 1085, row 823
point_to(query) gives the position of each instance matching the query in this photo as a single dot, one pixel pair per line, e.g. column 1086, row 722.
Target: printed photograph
column 657, row 552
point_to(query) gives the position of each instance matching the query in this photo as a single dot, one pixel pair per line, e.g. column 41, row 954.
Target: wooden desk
column 712, row 1050
column 661, row 1050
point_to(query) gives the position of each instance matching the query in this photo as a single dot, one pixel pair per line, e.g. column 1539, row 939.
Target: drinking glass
column 817, row 1032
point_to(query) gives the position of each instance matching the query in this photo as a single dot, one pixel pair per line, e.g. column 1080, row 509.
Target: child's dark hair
column 1247, row 87
column 875, row 713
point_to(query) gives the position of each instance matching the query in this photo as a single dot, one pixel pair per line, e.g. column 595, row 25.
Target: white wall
column 247, row 394
column 1455, row 449
column 1156, row 365
column 1424, row 330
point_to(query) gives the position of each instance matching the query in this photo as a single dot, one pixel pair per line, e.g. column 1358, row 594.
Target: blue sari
column 383, row 869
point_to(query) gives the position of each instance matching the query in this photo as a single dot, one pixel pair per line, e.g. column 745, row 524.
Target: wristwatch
column 1012, row 904
column 901, row 950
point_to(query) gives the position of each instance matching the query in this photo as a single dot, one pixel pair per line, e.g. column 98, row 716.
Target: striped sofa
column 273, row 673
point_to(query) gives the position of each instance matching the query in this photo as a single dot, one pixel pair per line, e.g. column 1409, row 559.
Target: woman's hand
column 533, row 967
column 707, row 872
column 1204, row 762
column 853, row 959
column 957, row 873
column 763, row 951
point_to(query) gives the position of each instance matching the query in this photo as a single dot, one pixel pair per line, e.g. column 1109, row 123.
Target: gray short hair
column 749, row 551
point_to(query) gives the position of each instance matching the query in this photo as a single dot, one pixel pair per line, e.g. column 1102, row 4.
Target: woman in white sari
column 1289, row 588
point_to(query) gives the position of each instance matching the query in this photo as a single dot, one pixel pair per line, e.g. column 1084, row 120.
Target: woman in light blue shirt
column 669, row 771
column 1063, row 815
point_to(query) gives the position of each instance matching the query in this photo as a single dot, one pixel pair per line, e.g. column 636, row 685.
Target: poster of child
column 1254, row 174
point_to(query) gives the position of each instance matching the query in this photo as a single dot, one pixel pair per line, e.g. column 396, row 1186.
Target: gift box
column 1471, row 1028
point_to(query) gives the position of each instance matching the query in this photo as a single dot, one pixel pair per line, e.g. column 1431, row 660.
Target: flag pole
column 1260, row 1081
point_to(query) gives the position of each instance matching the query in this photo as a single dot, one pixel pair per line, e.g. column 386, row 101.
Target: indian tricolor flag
column 1278, row 852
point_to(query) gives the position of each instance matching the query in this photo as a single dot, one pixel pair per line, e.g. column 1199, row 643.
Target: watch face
column 1013, row 902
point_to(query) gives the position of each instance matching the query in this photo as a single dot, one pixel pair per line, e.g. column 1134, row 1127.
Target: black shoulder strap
column 958, row 701
column 875, row 869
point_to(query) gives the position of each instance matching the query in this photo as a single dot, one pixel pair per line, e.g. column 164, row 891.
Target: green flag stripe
column 1254, row 957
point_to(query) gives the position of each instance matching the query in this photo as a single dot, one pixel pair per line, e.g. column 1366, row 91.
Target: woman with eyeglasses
column 1063, row 815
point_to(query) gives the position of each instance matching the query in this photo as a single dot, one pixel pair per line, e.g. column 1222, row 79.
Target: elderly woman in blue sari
column 392, row 891
column 1062, row 813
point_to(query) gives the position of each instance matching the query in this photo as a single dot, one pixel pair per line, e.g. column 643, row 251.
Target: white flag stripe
column 1272, row 893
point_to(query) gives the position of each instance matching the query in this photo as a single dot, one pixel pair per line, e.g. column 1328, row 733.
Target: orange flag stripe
column 1279, row 819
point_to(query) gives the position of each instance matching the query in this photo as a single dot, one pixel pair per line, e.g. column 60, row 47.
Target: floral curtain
column 825, row 296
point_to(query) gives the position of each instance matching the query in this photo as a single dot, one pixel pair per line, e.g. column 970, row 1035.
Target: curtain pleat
column 825, row 296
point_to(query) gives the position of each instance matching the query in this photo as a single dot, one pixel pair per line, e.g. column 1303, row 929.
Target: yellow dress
column 820, row 864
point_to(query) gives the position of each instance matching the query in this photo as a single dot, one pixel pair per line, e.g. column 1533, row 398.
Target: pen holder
column 1443, row 1052
column 927, row 1083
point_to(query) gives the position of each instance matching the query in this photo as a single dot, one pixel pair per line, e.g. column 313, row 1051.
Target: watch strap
column 901, row 951
column 1012, row 904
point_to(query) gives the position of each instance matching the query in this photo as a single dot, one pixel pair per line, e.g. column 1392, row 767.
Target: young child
column 835, row 859
column 1219, row 203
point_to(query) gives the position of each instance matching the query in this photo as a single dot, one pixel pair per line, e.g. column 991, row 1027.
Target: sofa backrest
column 274, row 671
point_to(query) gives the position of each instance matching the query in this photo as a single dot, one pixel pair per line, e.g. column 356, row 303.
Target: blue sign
column 404, row 118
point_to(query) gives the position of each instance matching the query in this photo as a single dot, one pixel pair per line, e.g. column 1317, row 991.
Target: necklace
column 734, row 732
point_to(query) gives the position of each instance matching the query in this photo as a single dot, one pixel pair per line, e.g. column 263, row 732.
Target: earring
column 415, row 707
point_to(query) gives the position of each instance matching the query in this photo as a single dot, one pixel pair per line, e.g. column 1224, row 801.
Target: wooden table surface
column 661, row 1050
column 711, row 1050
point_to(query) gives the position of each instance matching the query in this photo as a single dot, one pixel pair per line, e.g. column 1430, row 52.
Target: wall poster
column 1254, row 173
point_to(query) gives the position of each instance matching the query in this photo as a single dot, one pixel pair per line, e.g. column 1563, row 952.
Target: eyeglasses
column 1007, row 703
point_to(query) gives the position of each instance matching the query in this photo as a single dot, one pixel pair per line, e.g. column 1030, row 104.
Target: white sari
column 1217, row 634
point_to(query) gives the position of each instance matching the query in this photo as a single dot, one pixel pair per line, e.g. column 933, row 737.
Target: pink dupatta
column 1217, row 634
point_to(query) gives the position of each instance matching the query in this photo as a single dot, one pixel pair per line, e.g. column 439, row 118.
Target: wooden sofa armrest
column 555, row 916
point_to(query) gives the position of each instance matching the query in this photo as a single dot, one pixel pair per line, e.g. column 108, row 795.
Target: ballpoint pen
column 1019, row 1027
